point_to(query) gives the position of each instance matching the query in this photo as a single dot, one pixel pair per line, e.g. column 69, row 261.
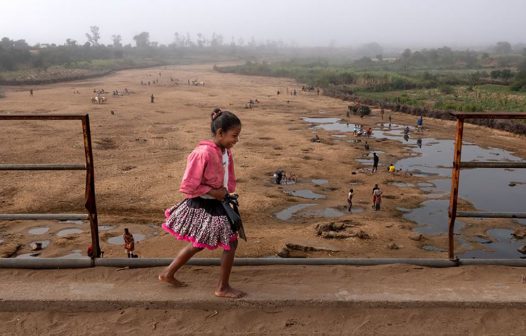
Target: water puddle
column 38, row 230
column 326, row 213
column 431, row 217
column 401, row 184
column 287, row 213
column 106, row 227
column 119, row 240
column 70, row 231
column 305, row 193
column 500, row 244
column 321, row 120
column 319, row 181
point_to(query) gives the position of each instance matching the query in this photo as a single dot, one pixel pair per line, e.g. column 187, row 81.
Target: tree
column 142, row 40
column 520, row 77
column 406, row 54
column 94, row 37
column 503, row 47
column 71, row 42
column 117, row 41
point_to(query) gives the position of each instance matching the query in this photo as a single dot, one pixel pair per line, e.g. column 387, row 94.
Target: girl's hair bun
column 216, row 113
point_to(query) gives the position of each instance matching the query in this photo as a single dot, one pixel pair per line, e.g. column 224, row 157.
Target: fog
column 403, row 23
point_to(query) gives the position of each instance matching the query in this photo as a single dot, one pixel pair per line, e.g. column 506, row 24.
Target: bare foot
column 171, row 280
column 229, row 293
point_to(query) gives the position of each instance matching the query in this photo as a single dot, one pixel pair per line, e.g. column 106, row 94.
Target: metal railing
column 458, row 165
column 90, row 203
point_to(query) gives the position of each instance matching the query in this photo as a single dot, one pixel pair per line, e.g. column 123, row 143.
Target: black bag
column 230, row 204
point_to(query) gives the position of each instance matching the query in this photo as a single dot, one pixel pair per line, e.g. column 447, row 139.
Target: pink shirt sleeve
column 191, row 183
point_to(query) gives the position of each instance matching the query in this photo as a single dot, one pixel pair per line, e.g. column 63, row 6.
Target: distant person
column 315, row 138
column 391, row 168
column 366, row 146
column 129, row 243
column 376, row 159
column 419, row 123
column 349, row 199
column 152, row 99
column 382, row 113
column 278, row 92
column 377, row 199
column 278, row 176
column 201, row 218
column 390, row 119
column 31, row 92
column 374, row 189
column 419, row 142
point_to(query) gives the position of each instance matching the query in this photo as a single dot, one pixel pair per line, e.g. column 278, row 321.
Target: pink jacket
column 204, row 170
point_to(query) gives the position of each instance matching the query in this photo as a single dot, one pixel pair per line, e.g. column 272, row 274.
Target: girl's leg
column 223, row 288
column 168, row 275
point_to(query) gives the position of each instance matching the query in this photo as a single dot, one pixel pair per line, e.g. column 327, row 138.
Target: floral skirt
column 203, row 222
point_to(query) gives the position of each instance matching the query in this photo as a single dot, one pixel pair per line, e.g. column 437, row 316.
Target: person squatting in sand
column 200, row 218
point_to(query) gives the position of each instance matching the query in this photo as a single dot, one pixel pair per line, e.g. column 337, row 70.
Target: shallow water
column 502, row 245
column 431, row 217
column 287, row 213
column 319, row 181
column 305, row 193
column 38, row 230
column 402, row 184
column 70, row 231
column 106, row 227
column 119, row 240
column 326, row 213
column 321, row 120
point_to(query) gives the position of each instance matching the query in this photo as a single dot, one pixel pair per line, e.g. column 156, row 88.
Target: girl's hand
column 218, row 194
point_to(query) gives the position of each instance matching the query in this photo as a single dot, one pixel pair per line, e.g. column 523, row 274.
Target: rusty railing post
column 455, row 179
column 91, row 205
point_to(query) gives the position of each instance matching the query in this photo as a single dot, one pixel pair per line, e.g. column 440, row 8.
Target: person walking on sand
column 152, row 99
column 377, row 198
column 376, row 159
column 349, row 199
column 201, row 218
column 129, row 243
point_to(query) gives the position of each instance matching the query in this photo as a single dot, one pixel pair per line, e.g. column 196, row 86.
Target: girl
column 200, row 218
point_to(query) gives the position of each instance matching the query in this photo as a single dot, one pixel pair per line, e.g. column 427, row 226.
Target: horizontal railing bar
column 474, row 164
column 43, row 166
column 42, row 117
column 44, row 216
column 492, row 115
column 478, row 214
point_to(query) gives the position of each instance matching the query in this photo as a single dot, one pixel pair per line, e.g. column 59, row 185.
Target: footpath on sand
column 101, row 288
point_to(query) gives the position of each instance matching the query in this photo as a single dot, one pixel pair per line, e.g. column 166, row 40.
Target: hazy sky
column 304, row 22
